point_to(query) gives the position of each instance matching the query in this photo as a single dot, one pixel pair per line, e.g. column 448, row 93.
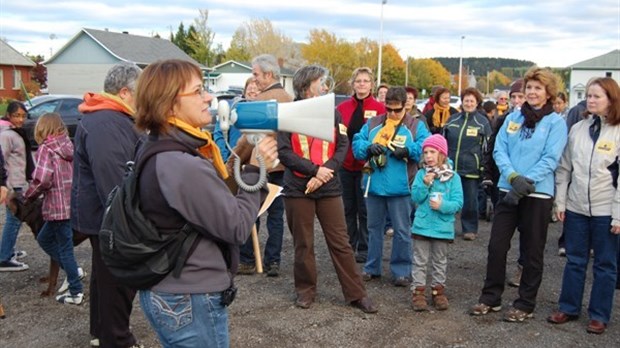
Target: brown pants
column 300, row 214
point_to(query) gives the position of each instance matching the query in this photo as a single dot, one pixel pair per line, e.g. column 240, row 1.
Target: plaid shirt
column 52, row 177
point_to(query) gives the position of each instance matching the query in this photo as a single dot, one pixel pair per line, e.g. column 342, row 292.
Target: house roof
column 10, row 56
column 248, row 65
column 609, row 60
column 141, row 50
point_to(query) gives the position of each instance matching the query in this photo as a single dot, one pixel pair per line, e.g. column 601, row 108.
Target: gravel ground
column 264, row 315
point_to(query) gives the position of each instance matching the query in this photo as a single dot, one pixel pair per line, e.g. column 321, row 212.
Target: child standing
column 52, row 177
column 438, row 195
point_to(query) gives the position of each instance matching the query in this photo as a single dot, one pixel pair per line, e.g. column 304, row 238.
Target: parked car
column 65, row 105
column 455, row 102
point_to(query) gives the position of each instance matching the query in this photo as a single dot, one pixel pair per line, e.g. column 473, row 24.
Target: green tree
column 392, row 66
column 200, row 39
column 426, row 73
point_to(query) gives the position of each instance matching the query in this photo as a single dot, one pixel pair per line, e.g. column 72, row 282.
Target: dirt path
column 264, row 316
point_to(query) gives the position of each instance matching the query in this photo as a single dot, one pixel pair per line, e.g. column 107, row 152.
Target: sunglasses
column 396, row 110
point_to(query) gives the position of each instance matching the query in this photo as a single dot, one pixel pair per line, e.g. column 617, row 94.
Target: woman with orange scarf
column 438, row 116
column 178, row 188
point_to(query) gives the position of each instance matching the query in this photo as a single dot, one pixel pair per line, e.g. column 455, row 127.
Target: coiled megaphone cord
column 262, row 174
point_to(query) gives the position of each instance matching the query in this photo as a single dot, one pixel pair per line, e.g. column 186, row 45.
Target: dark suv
column 66, row 106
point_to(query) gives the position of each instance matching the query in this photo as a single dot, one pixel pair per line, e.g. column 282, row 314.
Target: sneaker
column 65, row 284
column 389, row 232
column 562, row 252
column 273, row 270
column 360, row 258
column 515, row 315
column 483, row 309
column 469, row 236
column 94, row 342
column 246, row 269
column 401, row 282
column 19, row 254
column 368, row 277
column 67, row 298
column 12, row 266
column 515, row 281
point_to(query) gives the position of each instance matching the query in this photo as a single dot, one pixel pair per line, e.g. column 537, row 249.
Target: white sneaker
column 562, row 252
column 67, row 298
column 12, row 266
column 19, row 254
column 65, row 284
column 94, row 342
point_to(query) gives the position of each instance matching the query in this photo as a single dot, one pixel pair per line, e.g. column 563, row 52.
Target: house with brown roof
column 14, row 68
column 82, row 63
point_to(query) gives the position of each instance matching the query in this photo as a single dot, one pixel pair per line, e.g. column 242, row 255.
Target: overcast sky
column 553, row 33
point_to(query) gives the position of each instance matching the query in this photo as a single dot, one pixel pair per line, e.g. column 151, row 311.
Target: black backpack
column 134, row 251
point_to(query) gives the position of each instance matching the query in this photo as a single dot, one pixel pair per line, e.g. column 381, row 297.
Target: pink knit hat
column 437, row 142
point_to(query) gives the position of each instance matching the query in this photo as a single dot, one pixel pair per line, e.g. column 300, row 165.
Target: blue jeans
column 186, row 320
column 355, row 210
column 56, row 239
column 469, row 214
column 583, row 233
column 275, row 228
column 398, row 209
column 9, row 236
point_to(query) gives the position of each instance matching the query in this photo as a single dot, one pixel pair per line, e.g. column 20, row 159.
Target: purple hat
column 437, row 142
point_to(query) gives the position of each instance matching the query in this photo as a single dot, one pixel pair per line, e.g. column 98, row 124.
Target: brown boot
column 440, row 301
column 418, row 299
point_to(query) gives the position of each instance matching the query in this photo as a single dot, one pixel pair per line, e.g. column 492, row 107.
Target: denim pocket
column 171, row 311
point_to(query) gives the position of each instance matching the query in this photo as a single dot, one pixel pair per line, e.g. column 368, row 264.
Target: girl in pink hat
column 438, row 195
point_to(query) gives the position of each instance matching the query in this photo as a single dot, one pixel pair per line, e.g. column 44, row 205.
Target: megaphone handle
column 262, row 175
column 367, row 187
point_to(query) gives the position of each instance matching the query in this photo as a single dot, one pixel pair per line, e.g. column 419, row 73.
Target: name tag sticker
column 343, row 129
column 399, row 140
column 513, row 127
column 472, row 132
column 370, row 113
column 605, row 147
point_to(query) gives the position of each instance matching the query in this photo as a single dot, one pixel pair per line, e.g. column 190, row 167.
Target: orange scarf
column 501, row 109
column 209, row 150
column 441, row 115
column 386, row 133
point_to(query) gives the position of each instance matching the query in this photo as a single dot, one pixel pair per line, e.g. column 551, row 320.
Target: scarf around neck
column 442, row 172
column 441, row 115
column 532, row 117
column 209, row 150
column 501, row 109
column 105, row 101
column 385, row 135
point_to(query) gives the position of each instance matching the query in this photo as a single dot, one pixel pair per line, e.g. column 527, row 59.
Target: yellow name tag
column 399, row 140
column 605, row 147
column 472, row 132
column 370, row 113
column 343, row 129
column 513, row 127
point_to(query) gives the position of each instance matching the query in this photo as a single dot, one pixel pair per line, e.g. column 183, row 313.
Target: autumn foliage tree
column 426, row 73
column 337, row 55
column 258, row 36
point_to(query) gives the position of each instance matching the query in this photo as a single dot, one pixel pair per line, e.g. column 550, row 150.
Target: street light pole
column 461, row 66
column 383, row 2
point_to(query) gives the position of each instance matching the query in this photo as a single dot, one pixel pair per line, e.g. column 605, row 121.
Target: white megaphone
column 312, row 117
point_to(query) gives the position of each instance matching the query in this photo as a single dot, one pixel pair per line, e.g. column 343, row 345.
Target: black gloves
column 522, row 185
column 400, row 152
column 376, row 149
column 487, row 186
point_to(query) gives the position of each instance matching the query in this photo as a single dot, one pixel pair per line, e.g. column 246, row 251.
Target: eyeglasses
column 396, row 110
column 362, row 81
column 198, row 92
column 503, row 99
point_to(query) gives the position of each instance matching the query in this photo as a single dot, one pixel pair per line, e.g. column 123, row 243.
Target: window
column 1, row 79
column 580, row 95
column 608, row 74
column 17, row 78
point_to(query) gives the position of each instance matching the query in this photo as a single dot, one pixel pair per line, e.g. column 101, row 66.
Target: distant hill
column 480, row 65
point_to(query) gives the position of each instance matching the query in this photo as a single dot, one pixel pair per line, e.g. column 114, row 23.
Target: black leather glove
column 512, row 198
column 400, row 152
column 523, row 185
column 487, row 186
column 376, row 149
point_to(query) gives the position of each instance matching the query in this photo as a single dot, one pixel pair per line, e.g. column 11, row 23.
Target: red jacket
column 371, row 108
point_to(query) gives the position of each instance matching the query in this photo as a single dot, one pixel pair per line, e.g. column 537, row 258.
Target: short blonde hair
column 546, row 78
column 49, row 124
column 362, row 70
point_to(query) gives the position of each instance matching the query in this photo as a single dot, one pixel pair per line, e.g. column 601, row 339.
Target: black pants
column 110, row 305
column 531, row 217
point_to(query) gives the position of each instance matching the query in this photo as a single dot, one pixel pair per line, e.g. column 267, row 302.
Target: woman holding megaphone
column 311, row 187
